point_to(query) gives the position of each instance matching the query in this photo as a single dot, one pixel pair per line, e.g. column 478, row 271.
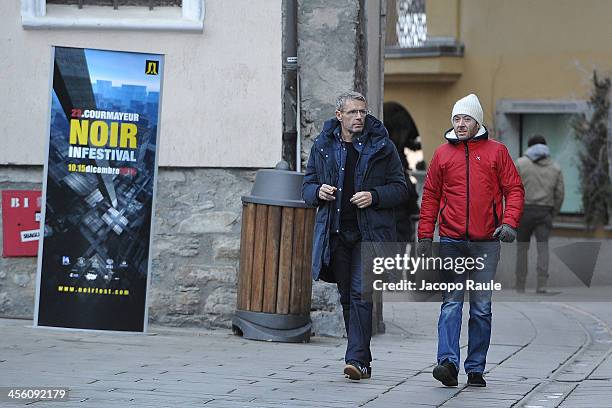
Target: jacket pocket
column 495, row 217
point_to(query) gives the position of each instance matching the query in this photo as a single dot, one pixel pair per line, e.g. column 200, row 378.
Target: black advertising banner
column 99, row 188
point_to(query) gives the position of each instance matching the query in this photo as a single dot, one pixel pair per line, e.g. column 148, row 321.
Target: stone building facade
column 196, row 242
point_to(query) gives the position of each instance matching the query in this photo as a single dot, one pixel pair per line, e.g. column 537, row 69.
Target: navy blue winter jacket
column 378, row 169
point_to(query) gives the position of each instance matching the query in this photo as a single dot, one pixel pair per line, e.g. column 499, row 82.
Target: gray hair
column 349, row 96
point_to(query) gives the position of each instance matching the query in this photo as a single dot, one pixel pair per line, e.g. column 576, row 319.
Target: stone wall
column 18, row 275
column 198, row 213
column 195, row 248
column 195, row 252
column 327, row 38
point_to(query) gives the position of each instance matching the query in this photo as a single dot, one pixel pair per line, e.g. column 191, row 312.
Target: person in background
column 544, row 191
column 403, row 133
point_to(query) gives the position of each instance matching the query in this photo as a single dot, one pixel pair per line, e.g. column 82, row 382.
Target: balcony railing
column 422, row 45
column 408, row 35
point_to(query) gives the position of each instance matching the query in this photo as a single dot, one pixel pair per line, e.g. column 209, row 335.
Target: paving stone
column 189, row 368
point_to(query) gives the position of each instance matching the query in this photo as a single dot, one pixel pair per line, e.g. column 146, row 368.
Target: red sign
column 20, row 222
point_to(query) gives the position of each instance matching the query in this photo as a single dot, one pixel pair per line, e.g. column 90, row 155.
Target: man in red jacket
column 467, row 182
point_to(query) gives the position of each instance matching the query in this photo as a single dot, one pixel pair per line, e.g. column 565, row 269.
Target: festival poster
column 99, row 188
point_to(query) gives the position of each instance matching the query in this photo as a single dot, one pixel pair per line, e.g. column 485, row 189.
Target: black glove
column 424, row 247
column 505, row 233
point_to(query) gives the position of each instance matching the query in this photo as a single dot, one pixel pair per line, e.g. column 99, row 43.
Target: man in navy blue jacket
column 355, row 178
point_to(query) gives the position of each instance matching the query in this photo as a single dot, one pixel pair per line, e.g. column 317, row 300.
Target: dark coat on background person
column 378, row 169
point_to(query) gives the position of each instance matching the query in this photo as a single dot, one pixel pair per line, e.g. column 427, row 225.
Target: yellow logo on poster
column 152, row 67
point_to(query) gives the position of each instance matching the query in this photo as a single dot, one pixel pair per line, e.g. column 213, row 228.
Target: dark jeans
column 536, row 220
column 479, row 325
column 347, row 267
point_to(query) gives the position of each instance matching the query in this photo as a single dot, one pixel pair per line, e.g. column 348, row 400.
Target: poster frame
column 44, row 200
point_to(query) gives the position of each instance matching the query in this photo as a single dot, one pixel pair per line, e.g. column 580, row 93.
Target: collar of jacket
column 373, row 129
column 451, row 137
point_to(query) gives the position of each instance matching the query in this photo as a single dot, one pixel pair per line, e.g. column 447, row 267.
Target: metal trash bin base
column 272, row 327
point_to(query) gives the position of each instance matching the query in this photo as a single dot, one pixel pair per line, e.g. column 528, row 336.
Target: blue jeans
column 479, row 325
column 356, row 309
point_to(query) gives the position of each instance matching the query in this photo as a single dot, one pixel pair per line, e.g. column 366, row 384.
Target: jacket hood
column 451, row 137
column 372, row 128
column 537, row 153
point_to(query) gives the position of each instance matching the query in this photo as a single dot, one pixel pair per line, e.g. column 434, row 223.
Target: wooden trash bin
column 275, row 281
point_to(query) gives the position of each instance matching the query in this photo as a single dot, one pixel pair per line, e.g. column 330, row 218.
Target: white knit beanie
column 470, row 105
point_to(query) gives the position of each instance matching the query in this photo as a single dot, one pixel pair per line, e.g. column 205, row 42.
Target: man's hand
column 505, row 233
column 326, row 192
column 424, row 247
column 362, row 199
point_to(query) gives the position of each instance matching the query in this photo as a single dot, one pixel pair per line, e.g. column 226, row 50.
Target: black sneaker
column 476, row 380
column 355, row 370
column 368, row 373
column 446, row 373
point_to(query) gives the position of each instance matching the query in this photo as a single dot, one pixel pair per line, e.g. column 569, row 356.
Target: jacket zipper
column 442, row 219
column 495, row 217
column 362, row 216
column 467, row 171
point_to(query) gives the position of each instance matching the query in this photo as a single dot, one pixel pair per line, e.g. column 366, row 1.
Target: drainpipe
column 291, row 124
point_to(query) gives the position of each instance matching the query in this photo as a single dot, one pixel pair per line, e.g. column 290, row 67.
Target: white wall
column 222, row 88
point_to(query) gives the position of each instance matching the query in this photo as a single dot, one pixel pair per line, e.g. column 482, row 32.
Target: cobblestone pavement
column 542, row 355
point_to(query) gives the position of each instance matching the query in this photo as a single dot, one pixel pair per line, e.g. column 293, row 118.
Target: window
column 119, row 3
column 174, row 15
column 519, row 119
column 407, row 23
column 411, row 26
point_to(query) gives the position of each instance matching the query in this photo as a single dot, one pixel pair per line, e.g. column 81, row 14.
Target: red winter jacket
column 465, row 187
